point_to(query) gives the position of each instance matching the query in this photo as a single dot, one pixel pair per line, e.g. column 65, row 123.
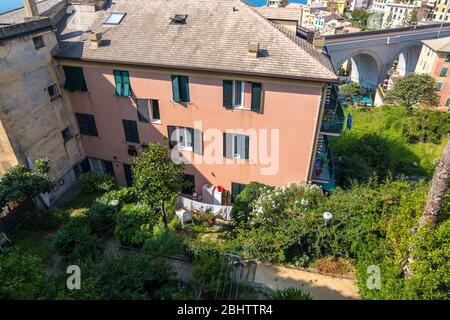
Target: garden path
column 321, row 287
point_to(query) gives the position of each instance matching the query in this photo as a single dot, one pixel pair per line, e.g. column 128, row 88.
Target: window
column 122, row 79
column 131, row 131
column 233, row 94
column 38, row 42
column 188, row 186
column 148, row 110
column 67, row 134
column 438, row 86
column 53, row 91
column 447, row 103
column 132, row 150
column 180, row 88
column 443, row 72
column 74, row 79
column 236, row 188
column 188, row 139
column 236, row 146
column 128, row 174
column 447, row 58
column 86, row 123
column 179, row 19
column 114, row 18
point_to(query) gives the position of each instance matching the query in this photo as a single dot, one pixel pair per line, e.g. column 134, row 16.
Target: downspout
column 317, row 133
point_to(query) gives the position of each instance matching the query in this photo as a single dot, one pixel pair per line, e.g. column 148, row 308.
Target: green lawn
column 377, row 144
column 34, row 235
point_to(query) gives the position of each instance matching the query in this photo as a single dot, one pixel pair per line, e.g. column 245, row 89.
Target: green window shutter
column 170, row 133
column 131, row 131
column 118, row 80
column 236, row 188
column 176, row 88
column 227, row 145
column 228, row 93
column 128, row 174
column 74, row 79
column 198, row 141
column 184, row 89
column 126, row 86
column 256, row 97
column 190, row 137
column 246, row 147
column 86, row 124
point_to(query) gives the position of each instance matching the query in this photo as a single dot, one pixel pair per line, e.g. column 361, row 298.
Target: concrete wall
column 291, row 108
column 32, row 122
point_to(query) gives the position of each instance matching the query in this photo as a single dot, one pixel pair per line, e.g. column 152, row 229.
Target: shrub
column 120, row 276
column 333, row 265
column 135, row 224
column 94, row 182
column 290, row 293
column 242, row 206
column 21, row 275
column 75, row 241
column 425, row 125
column 163, row 241
column 123, row 195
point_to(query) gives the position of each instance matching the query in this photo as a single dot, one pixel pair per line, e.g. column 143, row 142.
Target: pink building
column 240, row 97
column 434, row 60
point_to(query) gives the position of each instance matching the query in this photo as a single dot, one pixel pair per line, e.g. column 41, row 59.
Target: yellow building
column 337, row 5
column 441, row 10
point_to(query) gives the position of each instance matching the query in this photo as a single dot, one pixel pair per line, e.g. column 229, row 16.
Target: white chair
column 184, row 216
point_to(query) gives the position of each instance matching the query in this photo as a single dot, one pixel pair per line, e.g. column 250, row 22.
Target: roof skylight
column 114, row 18
column 179, row 19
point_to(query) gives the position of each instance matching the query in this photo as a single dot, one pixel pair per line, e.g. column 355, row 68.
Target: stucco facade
column 291, row 109
column 33, row 114
column 436, row 62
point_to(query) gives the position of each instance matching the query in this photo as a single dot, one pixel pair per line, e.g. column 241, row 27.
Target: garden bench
column 3, row 240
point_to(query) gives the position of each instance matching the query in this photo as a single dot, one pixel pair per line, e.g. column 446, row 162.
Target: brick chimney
column 31, row 8
column 95, row 40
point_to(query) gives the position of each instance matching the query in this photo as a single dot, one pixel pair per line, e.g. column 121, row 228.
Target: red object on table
column 219, row 188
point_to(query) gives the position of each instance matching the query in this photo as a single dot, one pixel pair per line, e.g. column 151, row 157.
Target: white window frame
column 242, row 104
column 182, row 145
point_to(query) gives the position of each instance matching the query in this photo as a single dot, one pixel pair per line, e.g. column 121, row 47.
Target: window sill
column 156, row 122
column 189, row 149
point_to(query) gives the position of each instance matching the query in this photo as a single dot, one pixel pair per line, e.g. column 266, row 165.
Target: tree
column 439, row 186
column 156, row 177
column 413, row 89
column 349, row 90
column 359, row 17
column 20, row 183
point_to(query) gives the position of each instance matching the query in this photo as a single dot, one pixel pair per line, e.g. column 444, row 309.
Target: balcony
column 333, row 115
column 323, row 171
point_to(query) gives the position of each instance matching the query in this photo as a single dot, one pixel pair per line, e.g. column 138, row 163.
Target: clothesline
column 189, row 204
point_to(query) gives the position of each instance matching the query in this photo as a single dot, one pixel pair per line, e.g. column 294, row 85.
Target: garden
column 123, row 238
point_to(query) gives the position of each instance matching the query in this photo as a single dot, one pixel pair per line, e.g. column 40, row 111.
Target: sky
column 7, row 5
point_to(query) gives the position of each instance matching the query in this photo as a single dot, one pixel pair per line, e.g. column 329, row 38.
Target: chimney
column 253, row 48
column 95, row 40
column 31, row 8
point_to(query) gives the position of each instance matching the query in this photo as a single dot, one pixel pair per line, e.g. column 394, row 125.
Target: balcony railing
column 323, row 170
column 333, row 116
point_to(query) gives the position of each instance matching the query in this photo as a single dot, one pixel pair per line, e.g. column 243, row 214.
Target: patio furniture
column 185, row 216
column 3, row 240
